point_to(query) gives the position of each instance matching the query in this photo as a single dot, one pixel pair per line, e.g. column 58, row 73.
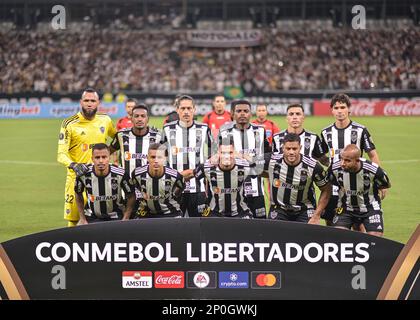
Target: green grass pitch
column 32, row 182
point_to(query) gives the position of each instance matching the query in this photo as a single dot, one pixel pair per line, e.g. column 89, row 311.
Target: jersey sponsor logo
column 265, row 280
column 137, row 279
column 134, row 156
column 176, row 150
column 292, row 186
column 233, row 280
column 94, row 198
column 356, row 192
column 85, row 147
column 218, row 190
column 201, row 280
column 169, row 279
column 251, row 152
column 376, row 218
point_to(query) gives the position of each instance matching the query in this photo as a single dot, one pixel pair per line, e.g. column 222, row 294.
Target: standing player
column 78, row 134
column 359, row 181
column 312, row 146
column 189, row 144
column 160, row 186
column 292, row 178
column 251, row 143
column 226, row 179
column 270, row 127
column 219, row 116
column 126, row 122
column 134, row 143
column 103, row 184
column 341, row 133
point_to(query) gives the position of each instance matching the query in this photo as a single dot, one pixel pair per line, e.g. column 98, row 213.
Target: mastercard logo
column 265, row 280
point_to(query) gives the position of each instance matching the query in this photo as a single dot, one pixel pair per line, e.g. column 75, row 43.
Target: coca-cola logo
column 399, row 108
column 169, row 279
column 363, row 109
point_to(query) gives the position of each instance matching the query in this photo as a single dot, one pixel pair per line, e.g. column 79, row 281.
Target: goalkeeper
column 78, row 134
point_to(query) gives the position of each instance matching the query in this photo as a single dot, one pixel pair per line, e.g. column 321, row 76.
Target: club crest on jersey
column 277, row 183
column 307, row 143
column 102, row 129
column 304, row 175
column 353, row 137
column 366, row 180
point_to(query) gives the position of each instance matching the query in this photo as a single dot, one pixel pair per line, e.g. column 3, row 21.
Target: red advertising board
column 361, row 107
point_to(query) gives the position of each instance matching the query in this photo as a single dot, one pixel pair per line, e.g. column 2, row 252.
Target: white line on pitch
column 31, row 163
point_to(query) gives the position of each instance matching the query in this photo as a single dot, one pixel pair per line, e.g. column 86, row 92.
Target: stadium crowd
column 162, row 61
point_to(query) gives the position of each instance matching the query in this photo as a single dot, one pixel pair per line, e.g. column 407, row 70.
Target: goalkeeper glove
column 79, row 168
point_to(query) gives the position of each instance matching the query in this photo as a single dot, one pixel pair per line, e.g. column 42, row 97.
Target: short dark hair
column 90, row 90
column 291, row 137
column 219, row 95
column 236, row 102
column 132, row 100
column 100, row 146
column 183, row 97
column 157, row 146
column 340, row 97
column 226, row 140
column 295, row 105
column 141, row 106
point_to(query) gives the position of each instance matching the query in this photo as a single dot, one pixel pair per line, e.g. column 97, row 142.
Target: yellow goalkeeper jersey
column 78, row 135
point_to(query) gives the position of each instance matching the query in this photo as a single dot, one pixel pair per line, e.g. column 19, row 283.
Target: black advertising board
column 204, row 258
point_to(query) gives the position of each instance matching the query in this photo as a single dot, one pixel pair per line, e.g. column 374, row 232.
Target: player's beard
column 89, row 113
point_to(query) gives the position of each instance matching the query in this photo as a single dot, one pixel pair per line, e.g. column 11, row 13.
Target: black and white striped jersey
column 358, row 191
column 310, row 142
column 104, row 194
column 292, row 187
column 254, row 146
column 226, row 187
column 334, row 139
column 187, row 148
column 133, row 148
column 158, row 195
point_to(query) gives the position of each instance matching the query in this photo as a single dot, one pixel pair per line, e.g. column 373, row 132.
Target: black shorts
column 148, row 215
column 277, row 213
column 257, row 206
column 94, row 219
column 331, row 209
column 372, row 220
column 193, row 204
column 240, row 215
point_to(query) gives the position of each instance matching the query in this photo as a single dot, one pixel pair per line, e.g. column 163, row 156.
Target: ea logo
column 201, row 279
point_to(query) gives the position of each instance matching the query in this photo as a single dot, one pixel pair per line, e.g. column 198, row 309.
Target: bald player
column 359, row 181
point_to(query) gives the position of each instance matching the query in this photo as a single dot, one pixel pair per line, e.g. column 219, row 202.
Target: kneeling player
column 360, row 182
column 103, row 184
column 226, row 180
column 292, row 177
column 160, row 186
